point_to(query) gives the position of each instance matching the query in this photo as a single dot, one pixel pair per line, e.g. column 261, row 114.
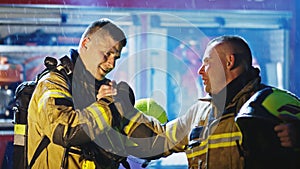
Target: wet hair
column 107, row 25
column 239, row 48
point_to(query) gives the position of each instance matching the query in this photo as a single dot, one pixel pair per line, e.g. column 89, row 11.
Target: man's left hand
column 287, row 134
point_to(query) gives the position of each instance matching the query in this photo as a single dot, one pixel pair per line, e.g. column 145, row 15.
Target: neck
column 225, row 96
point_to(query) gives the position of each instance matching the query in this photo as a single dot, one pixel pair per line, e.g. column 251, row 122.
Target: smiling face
column 225, row 58
column 99, row 52
column 213, row 69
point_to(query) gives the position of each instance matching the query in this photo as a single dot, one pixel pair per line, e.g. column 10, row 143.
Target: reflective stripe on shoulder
column 54, row 94
column 99, row 114
column 215, row 141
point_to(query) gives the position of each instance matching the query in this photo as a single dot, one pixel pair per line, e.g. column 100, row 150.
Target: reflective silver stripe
column 19, row 134
column 19, row 140
column 52, row 93
column 221, row 140
column 215, row 141
column 99, row 114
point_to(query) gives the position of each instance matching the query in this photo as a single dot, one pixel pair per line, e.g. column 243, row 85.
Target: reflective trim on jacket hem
column 215, row 141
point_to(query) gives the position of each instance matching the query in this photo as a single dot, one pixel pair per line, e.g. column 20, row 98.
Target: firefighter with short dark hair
column 213, row 132
column 66, row 106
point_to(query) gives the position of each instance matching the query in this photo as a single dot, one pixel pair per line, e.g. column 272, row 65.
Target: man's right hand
column 107, row 90
column 122, row 97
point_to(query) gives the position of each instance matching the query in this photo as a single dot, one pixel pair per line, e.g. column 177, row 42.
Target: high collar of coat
column 83, row 74
column 230, row 91
column 76, row 60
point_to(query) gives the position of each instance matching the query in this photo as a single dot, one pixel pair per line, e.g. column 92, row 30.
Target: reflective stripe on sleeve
column 54, row 94
column 99, row 115
column 133, row 120
column 171, row 131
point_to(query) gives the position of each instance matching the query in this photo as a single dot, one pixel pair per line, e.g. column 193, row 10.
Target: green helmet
column 150, row 107
column 257, row 119
column 272, row 103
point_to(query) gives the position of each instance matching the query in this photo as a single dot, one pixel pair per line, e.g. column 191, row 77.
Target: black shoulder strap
column 43, row 144
column 65, row 68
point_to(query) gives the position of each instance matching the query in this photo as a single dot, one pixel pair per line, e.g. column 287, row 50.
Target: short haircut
column 239, row 48
column 112, row 29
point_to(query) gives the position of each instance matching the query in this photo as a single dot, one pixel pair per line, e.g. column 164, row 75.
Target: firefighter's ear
column 230, row 62
column 84, row 42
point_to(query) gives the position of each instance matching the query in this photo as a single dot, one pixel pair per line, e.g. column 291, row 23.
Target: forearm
column 154, row 140
column 52, row 114
column 83, row 126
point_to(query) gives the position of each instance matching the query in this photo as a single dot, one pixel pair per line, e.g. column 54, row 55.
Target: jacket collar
column 239, row 86
column 82, row 74
column 77, row 60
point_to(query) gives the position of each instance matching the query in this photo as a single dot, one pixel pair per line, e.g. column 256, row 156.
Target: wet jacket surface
column 220, row 142
column 69, row 116
column 219, row 147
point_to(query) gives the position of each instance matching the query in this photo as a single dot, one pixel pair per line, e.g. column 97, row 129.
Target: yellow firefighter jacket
column 73, row 120
column 49, row 118
column 221, row 138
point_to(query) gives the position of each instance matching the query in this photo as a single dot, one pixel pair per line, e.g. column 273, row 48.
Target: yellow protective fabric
column 19, row 134
column 20, row 129
column 221, row 145
column 87, row 164
column 220, row 148
column 44, row 116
